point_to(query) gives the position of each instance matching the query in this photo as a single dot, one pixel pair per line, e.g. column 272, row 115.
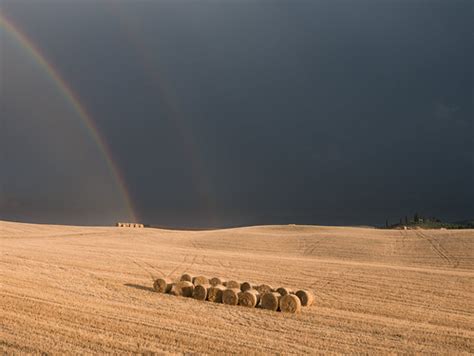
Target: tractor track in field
column 438, row 248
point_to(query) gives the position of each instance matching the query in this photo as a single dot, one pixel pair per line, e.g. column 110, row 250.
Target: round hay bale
column 214, row 294
column 216, row 281
column 284, row 291
column 200, row 291
column 232, row 284
column 245, row 286
column 186, row 278
column 174, row 290
column 249, row 298
column 182, row 289
column 306, row 297
column 231, row 296
column 200, row 280
column 270, row 301
column 187, row 290
column 290, row 303
column 264, row 288
column 162, row 285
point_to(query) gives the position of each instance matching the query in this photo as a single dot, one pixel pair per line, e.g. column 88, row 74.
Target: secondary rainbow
column 75, row 103
column 130, row 26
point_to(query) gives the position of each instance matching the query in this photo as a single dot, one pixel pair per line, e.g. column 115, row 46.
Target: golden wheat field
column 89, row 290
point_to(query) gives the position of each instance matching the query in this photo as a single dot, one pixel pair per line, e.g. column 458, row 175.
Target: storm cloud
column 245, row 112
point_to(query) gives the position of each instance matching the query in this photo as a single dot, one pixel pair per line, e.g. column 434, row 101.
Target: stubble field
column 88, row 290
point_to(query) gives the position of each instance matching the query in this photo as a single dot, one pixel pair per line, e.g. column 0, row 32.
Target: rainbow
column 73, row 100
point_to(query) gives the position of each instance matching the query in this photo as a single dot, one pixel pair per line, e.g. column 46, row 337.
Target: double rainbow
column 73, row 100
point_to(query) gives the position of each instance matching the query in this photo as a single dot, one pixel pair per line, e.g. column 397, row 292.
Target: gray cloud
column 258, row 112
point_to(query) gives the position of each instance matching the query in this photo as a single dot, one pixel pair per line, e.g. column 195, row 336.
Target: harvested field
column 90, row 290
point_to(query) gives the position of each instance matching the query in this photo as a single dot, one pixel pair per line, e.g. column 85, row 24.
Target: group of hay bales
column 236, row 293
column 134, row 225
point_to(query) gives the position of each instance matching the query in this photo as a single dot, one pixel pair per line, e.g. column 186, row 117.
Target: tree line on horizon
column 429, row 222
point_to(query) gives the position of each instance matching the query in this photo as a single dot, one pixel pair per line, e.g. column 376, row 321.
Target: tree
column 406, row 220
column 386, row 223
column 416, row 218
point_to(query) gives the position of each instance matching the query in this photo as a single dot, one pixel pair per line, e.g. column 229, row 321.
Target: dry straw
column 231, row 296
column 232, row 284
column 216, row 281
column 234, row 293
column 264, row 288
column 214, row 294
column 186, row 277
column 245, row 286
column 306, row 297
column 290, row 303
column 200, row 291
column 162, row 285
column 182, row 289
column 249, row 298
column 270, row 301
column 200, row 280
column 283, row 291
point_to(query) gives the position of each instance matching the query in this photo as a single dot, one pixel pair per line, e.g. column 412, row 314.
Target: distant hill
column 465, row 222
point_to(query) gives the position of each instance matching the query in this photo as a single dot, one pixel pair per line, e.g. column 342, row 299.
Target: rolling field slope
column 88, row 290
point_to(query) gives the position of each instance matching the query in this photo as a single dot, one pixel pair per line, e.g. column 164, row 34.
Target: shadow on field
column 137, row 286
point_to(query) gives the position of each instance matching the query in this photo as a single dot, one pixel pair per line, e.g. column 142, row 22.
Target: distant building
column 132, row 225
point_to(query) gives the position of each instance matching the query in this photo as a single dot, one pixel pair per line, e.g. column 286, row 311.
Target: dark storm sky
column 225, row 113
